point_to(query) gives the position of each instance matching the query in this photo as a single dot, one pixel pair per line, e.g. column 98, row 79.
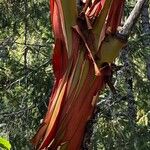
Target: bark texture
column 123, row 35
column 146, row 33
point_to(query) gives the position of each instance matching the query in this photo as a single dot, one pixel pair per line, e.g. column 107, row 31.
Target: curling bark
column 85, row 45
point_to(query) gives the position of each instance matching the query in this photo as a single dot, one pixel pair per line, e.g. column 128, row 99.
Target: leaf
column 5, row 144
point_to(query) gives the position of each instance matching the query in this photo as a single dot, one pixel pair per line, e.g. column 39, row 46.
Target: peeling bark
column 122, row 35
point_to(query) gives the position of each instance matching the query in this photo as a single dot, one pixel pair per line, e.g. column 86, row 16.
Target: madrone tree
column 88, row 37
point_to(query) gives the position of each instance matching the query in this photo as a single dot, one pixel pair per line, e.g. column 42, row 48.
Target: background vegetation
column 26, row 79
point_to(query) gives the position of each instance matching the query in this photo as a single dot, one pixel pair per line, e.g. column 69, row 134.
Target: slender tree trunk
column 146, row 32
column 125, row 57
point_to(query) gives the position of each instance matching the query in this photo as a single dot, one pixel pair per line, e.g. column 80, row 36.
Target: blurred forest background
column 122, row 121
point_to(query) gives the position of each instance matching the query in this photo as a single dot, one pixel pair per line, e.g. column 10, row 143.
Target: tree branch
column 29, row 73
column 25, row 36
column 126, row 29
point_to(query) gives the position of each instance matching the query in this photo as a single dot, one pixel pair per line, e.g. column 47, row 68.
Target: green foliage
column 4, row 144
column 25, row 72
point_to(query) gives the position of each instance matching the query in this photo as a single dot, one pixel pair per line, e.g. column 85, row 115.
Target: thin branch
column 9, row 40
column 9, row 114
column 25, row 36
column 126, row 29
column 30, row 73
column 33, row 45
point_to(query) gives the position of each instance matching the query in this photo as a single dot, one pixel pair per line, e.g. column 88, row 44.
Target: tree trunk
column 146, row 32
column 85, row 46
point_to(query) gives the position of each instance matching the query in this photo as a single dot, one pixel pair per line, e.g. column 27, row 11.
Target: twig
column 6, row 114
column 33, row 45
column 22, row 78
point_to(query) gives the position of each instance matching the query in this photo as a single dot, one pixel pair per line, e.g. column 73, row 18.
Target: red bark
column 78, row 79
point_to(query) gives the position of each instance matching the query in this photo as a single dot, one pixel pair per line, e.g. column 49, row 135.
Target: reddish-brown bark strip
column 79, row 78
